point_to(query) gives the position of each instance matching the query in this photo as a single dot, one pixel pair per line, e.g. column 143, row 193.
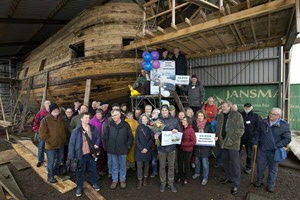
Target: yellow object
column 133, row 125
column 133, row 92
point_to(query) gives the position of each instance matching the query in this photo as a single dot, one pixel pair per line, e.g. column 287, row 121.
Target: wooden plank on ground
column 91, row 193
column 9, row 184
column 19, row 163
column 7, row 155
column 2, row 195
column 61, row 186
column 28, row 144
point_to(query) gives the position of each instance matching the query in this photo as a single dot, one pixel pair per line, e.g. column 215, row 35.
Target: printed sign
column 205, row 139
column 163, row 77
column 182, row 80
column 168, row 138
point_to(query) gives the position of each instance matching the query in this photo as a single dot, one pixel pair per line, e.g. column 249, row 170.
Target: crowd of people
column 108, row 142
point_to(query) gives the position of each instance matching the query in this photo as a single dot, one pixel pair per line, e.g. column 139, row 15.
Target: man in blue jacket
column 273, row 132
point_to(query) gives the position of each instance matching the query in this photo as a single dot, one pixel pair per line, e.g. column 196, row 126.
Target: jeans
column 205, row 165
column 163, row 156
column 140, row 169
column 55, row 158
column 41, row 148
column 109, row 163
column 154, row 161
column 265, row 159
column 86, row 162
column 184, row 162
column 232, row 166
column 118, row 166
column 248, row 147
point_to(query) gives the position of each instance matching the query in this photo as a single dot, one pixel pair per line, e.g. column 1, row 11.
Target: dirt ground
column 34, row 188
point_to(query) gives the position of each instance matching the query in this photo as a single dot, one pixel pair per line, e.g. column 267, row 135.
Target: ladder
column 181, row 101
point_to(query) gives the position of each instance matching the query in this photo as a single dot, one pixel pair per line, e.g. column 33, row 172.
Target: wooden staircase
column 181, row 101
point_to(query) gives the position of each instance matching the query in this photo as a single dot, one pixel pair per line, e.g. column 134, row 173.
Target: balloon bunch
column 150, row 60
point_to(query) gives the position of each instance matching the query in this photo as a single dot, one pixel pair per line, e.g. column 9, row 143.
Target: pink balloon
column 156, row 64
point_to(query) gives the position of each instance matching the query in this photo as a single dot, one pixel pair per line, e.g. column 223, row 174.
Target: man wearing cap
column 251, row 124
column 172, row 111
column 196, row 94
column 167, row 153
column 37, row 121
column 53, row 131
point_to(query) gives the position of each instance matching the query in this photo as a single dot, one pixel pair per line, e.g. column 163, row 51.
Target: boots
column 139, row 186
column 145, row 181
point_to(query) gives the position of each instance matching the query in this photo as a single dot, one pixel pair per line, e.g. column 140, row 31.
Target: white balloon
column 165, row 93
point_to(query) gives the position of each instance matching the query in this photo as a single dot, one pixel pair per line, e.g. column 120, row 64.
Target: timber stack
column 88, row 47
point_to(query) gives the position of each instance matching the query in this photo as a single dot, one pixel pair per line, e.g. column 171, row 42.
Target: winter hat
column 194, row 76
column 171, row 108
column 52, row 107
column 247, row 105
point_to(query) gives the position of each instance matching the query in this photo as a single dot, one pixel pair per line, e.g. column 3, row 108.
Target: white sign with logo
column 169, row 138
column 205, row 139
column 182, row 80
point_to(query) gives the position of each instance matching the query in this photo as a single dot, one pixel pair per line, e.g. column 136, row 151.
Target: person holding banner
column 167, row 152
column 185, row 150
column 202, row 153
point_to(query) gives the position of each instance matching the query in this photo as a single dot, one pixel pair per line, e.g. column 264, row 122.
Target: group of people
column 110, row 142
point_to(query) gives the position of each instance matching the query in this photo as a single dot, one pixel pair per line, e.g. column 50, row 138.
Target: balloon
column 155, row 55
column 147, row 57
column 155, row 64
column 143, row 63
column 148, row 66
column 165, row 93
column 144, row 53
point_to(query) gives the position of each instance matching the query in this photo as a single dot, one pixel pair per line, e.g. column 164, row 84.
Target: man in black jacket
column 251, row 123
column 180, row 62
column 117, row 141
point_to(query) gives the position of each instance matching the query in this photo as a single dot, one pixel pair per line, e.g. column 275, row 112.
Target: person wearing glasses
column 273, row 133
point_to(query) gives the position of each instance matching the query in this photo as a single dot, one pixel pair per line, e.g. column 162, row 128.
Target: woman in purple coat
column 98, row 121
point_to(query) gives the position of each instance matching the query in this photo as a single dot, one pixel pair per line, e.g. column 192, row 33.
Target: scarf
column 201, row 124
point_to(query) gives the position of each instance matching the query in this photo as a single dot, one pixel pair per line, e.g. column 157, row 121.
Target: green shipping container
column 295, row 107
column 262, row 97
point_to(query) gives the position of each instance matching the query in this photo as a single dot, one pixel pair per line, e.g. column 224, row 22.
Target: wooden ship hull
column 102, row 31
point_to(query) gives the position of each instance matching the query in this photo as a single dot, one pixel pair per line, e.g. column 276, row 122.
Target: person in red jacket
column 37, row 120
column 210, row 109
column 185, row 150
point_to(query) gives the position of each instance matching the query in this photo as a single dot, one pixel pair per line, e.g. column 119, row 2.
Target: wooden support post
column 286, row 86
column 3, row 115
column 45, row 90
column 25, row 103
column 87, row 92
column 173, row 23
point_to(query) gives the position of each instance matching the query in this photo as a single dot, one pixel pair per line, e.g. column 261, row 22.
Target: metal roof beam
column 32, row 21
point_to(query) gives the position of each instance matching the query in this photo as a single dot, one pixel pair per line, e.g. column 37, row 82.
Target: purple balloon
column 156, row 64
column 144, row 53
column 147, row 57
column 148, row 66
column 155, row 55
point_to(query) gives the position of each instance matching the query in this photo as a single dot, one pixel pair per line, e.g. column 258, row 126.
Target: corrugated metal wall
column 259, row 66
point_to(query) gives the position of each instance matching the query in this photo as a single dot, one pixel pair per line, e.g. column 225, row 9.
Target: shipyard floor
column 33, row 187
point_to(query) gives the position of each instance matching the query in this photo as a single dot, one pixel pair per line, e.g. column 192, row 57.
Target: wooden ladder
column 180, row 101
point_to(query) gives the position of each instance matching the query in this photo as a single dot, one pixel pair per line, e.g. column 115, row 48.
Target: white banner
column 205, row 139
column 168, row 138
column 182, row 80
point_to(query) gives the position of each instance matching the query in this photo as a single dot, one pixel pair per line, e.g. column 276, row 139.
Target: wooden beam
column 270, row 7
column 45, row 90
column 203, row 2
column 150, row 3
column 3, row 115
column 184, row 45
column 150, row 33
column 188, row 21
column 253, row 30
column 271, row 43
column 207, row 41
column 195, row 13
column 197, row 43
column 269, row 26
column 291, row 37
column 32, row 21
column 160, row 29
column 221, row 40
column 87, row 92
column 173, row 23
column 173, row 26
column 236, row 27
column 25, row 103
column 233, row 2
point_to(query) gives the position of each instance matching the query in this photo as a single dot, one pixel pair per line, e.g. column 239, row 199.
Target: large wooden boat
column 88, row 47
